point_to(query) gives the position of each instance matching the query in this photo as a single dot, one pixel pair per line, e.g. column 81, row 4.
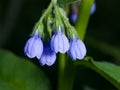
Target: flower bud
column 59, row 42
column 34, row 47
column 77, row 49
column 48, row 57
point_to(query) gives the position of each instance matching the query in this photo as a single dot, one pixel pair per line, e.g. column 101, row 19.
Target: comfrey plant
column 60, row 50
column 54, row 38
column 53, row 34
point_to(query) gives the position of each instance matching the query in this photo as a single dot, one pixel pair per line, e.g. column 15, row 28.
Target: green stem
column 66, row 73
column 46, row 12
column 61, row 72
column 54, row 1
column 83, row 17
column 40, row 21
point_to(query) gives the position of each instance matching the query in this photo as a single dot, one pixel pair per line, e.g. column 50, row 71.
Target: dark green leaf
column 108, row 70
column 20, row 74
column 63, row 2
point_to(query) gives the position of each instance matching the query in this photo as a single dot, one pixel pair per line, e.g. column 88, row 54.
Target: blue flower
column 34, row 47
column 48, row 56
column 73, row 17
column 93, row 8
column 59, row 42
column 77, row 49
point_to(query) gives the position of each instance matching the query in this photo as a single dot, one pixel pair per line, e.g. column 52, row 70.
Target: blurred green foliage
column 108, row 70
column 65, row 2
column 17, row 73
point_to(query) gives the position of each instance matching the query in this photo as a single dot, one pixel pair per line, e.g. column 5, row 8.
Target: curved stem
column 54, row 1
column 40, row 21
column 83, row 17
column 67, row 70
column 46, row 12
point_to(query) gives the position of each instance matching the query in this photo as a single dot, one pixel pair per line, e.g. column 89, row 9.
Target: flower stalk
column 66, row 83
column 56, row 35
column 83, row 17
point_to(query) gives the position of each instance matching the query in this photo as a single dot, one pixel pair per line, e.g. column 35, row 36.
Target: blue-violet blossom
column 77, row 49
column 73, row 17
column 59, row 42
column 34, row 46
column 48, row 56
column 93, row 8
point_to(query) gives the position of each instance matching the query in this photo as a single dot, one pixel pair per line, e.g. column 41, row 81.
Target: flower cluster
column 53, row 34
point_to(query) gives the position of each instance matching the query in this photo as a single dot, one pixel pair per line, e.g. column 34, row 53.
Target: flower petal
column 93, row 8
column 77, row 49
column 51, row 59
column 59, row 42
column 28, row 48
column 48, row 57
column 34, row 47
column 72, row 51
column 38, row 48
column 81, row 48
column 73, row 17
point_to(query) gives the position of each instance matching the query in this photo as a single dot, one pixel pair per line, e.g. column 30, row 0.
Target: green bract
column 51, row 19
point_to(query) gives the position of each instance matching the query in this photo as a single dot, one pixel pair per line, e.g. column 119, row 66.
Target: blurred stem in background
column 66, row 73
column 83, row 17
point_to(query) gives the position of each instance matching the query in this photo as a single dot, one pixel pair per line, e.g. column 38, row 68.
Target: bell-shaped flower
column 34, row 47
column 59, row 42
column 73, row 17
column 77, row 49
column 93, row 9
column 48, row 56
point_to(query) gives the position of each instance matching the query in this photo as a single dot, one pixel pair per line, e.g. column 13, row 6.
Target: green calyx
column 38, row 27
column 50, row 21
column 64, row 21
column 49, row 24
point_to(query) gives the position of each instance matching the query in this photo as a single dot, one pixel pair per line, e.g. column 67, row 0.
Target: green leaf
column 20, row 74
column 109, row 71
column 63, row 2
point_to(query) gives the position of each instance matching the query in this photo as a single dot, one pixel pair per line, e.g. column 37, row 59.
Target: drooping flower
column 74, row 14
column 93, row 8
column 73, row 17
column 48, row 56
column 77, row 49
column 34, row 47
column 59, row 42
